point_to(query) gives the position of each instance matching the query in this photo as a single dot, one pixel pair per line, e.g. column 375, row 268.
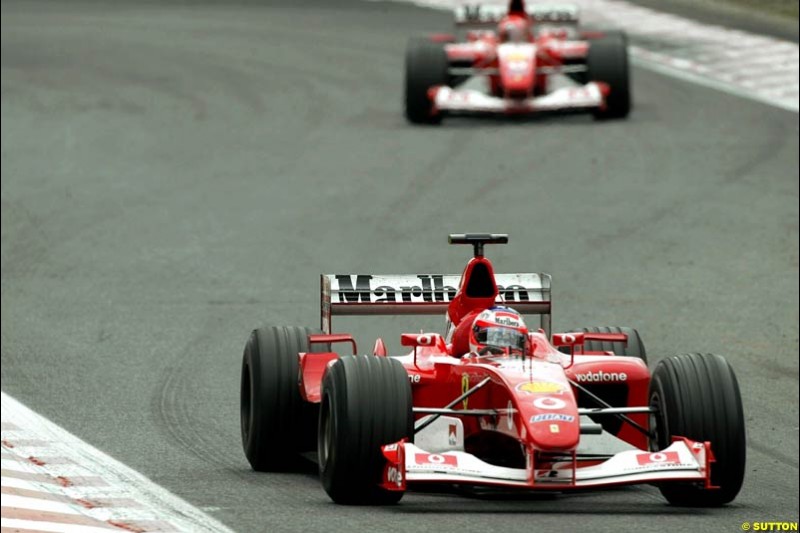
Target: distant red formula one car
column 489, row 403
column 531, row 61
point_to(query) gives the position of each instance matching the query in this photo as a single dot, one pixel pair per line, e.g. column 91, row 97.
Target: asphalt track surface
column 174, row 175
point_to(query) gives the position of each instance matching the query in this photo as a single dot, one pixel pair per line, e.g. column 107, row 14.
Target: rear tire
column 366, row 403
column 697, row 396
column 426, row 67
column 607, row 62
column 276, row 424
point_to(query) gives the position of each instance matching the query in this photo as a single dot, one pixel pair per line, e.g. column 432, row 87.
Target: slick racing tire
column 366, row 403
column 607, row 62
column 426, row 67
column 697, row 396
column 277, row 425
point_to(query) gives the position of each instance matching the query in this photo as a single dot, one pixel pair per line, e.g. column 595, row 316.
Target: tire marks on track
column 53, row 481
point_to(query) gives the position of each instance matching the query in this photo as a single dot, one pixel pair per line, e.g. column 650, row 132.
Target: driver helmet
column 498, row 330
column 513, row 30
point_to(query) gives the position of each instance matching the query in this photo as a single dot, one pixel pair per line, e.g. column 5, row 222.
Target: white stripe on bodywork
column 623, row 467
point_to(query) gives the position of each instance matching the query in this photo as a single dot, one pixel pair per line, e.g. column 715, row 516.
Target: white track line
column 36, row 525
column 150, row 506
column 705, row 54
column 21, row 502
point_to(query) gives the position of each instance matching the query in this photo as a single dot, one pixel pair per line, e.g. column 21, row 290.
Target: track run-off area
column 175, row 174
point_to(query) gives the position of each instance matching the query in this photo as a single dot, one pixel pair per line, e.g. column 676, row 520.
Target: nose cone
column 550, row 413
column 553, row 423
column 517, row 64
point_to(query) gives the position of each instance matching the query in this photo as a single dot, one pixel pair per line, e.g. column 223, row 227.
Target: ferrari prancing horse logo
column 465, row 388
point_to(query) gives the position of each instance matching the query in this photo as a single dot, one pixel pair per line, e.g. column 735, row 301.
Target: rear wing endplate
column 424, row 294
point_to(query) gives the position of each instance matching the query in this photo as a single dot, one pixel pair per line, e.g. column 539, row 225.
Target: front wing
column 684, row 460
column 468, row 101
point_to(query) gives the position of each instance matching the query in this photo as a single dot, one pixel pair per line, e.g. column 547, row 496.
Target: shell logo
column 540, row 387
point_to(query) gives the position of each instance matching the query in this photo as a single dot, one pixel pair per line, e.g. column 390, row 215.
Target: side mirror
column 422, row 339
column 579, row 338
column 328, row 338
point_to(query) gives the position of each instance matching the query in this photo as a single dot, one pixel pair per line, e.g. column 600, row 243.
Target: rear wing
column 490, row 14
column 424, row 294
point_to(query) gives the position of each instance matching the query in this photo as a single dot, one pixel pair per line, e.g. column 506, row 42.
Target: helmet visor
column 502, row 338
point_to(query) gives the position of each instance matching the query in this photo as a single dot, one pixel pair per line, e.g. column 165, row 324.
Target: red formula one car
column 533, row 60
column 490, row 402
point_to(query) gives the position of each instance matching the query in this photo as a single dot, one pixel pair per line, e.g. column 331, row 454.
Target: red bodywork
column 441, row 378
column 531, row 422
column 517, row 70
column 519, row 57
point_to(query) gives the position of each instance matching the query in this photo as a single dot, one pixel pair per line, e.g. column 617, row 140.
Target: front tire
column 426, row 67
column 607, row 62
column 697, row 396
column 366, row 403
column 276, row 424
